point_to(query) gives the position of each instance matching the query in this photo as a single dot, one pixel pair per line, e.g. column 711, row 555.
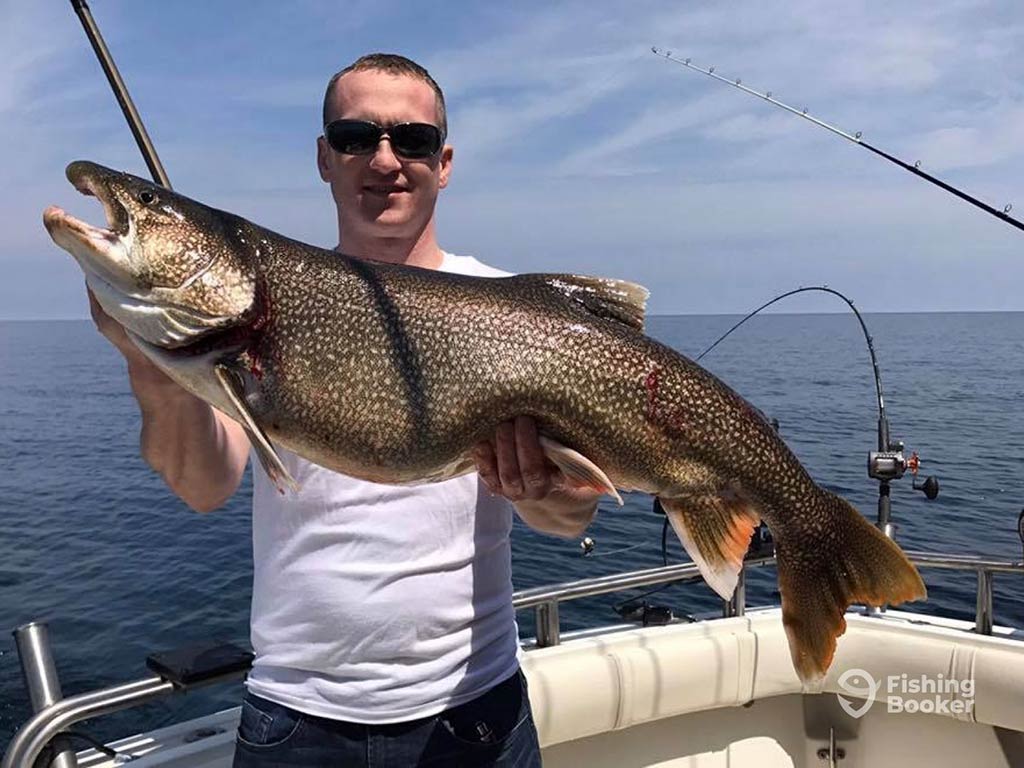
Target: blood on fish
column 651, row 384
column 669, row 415
column 265, row 308
column 256, row 367
column 261, row 320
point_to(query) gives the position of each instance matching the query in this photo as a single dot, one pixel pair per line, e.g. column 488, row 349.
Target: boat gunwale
column 39, row 730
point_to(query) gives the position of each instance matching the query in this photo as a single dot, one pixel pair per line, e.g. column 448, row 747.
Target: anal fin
column 579, row 470
column 272, row 464
column 715, row 531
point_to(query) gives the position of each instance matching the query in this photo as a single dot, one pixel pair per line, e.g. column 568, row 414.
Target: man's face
column 383, row 194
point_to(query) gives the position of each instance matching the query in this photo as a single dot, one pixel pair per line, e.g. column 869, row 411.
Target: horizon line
column 663, row 314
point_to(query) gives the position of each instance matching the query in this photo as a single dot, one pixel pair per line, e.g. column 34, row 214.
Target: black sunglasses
column 413, row 141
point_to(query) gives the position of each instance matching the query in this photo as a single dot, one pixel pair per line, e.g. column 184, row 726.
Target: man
column 381, row 618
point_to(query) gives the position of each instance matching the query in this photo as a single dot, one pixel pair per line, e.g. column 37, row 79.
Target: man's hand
column 199, row 452
column 514, row 466
column 140, row 368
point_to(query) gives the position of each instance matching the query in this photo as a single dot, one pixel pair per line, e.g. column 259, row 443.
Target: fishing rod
column 131, row 114
column 856, row 138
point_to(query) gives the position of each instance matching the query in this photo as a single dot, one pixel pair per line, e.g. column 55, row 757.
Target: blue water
column 92, row 543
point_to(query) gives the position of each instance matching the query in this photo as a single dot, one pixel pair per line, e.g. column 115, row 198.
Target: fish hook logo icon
column 859, row 683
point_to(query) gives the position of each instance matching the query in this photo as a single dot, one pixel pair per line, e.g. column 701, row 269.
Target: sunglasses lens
column 353, row 137
column 360, row 137
column 415, row 140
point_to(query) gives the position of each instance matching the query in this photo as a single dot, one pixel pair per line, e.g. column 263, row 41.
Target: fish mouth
column 98, row 239
column 102, row 251
column 93, row 180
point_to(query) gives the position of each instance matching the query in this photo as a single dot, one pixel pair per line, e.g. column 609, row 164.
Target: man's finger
column 508, row 462
column 94, row 306
column 104, row 322
column 532, row 466
column 487, row 465
column 115, row 333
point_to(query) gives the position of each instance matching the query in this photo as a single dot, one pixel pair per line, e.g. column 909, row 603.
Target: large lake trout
column 392, row 373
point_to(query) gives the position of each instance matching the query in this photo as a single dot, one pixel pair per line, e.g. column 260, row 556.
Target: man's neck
column 424, row 252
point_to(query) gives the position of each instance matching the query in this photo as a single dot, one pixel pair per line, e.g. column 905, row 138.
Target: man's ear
column 323, row 158
column 447, row 153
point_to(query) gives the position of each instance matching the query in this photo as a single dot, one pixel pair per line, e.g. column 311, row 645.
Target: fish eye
column 146, row 197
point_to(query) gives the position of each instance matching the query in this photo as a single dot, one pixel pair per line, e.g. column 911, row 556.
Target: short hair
column 393, row 64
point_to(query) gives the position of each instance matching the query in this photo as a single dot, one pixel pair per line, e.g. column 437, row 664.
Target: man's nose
column 384, row 159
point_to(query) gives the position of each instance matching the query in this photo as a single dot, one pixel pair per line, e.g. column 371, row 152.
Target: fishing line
column 617, row 607
column 856, row 138
column 589, row 553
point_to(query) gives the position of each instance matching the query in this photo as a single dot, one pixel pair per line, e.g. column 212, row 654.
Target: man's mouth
column 384, row 189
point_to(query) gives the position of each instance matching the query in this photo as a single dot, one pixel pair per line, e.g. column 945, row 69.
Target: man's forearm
column 199, row 453
column 561, row 513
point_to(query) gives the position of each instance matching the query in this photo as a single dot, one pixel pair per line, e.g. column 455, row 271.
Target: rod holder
column 40, row 675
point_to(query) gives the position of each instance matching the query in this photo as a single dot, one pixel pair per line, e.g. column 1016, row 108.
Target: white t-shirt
column 375, row 603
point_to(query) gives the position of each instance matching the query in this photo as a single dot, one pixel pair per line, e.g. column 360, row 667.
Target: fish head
column 169, row 269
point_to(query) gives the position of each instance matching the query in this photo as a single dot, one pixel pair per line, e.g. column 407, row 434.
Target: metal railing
column 58, row 716
column 545, row 600
column 984, row 568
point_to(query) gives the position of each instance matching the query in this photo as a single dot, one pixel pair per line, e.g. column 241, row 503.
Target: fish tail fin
column 715, row 531
column 829, row 557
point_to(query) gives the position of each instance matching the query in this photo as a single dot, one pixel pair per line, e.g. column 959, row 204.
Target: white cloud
column 985, row 138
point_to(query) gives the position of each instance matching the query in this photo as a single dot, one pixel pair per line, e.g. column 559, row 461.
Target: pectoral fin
column 580, row 470
column 268, row 457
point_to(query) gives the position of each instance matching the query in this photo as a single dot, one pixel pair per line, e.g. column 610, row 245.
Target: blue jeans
column 495, row 729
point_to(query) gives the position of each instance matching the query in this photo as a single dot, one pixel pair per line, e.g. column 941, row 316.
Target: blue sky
column 577, row 150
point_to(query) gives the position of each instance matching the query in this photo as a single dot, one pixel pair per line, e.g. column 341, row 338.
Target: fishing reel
column 892, row 465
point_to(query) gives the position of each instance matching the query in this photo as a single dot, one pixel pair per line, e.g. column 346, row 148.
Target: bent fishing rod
column 887, row 463
column 856, row 138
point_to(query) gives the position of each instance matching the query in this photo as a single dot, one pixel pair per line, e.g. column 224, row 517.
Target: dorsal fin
column 617, row 300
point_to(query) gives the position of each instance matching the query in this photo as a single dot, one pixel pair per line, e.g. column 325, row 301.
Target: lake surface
column 93, row 544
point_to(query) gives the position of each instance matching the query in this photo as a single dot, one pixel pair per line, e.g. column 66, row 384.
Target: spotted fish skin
column 392, row 374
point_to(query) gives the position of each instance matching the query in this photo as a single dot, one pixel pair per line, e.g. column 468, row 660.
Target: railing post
column 40, row 673
column 548, row 630
column 983, row 613
column 737, row 605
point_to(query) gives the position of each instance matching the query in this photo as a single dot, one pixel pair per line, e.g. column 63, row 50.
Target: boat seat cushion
column 596, row 684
